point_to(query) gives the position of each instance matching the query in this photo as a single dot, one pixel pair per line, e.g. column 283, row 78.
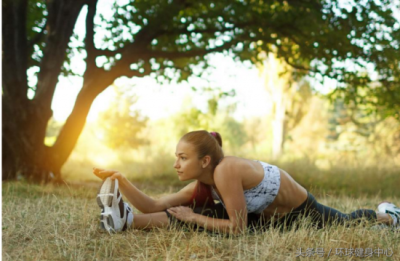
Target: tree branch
column 186, row 31
column 37, row 37
column 89, row 39
column 202, row 52
column 308, row 69
column 300, row 67
column 61, row 21
column 108, row 53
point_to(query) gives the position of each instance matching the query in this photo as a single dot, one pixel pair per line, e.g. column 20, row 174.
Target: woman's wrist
column 193, row 218
column 122, row 180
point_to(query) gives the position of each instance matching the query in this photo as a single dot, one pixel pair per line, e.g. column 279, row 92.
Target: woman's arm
column 229, row 185
column 187, row 215
column 140, row 200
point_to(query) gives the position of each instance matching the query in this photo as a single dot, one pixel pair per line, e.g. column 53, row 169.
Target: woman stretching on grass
column 252, row 194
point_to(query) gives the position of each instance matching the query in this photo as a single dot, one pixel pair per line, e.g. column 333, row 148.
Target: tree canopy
column 334, row 39
column 354, row 43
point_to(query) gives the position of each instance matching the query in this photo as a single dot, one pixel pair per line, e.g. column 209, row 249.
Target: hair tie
column 214, row 134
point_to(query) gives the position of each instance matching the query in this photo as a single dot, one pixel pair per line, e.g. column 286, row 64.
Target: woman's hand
column 104, row 173
column 185, row 214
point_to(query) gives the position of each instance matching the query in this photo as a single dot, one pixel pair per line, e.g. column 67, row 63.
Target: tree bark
column 15, row 86
column 69, row 134
column 25, row 121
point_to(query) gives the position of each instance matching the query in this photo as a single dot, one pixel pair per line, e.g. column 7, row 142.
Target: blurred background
column 313, row 89
column 260, row 111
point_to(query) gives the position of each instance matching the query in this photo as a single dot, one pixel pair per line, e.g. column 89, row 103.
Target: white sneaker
column 392, row 210
column 116, row 215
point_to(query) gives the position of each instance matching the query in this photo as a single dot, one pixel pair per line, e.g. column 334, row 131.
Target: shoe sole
column 105, row 197
column 106, row 193
column 109, row 221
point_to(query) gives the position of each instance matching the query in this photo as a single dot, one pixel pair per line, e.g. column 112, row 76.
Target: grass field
column 61, row 223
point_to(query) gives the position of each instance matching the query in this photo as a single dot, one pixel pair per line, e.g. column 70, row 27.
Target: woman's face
column 187, row 165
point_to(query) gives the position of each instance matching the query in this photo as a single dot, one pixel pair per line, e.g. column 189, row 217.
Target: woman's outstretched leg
column 162, row 220
column 152, row 220
column 384, row 218
column 331, row 214
column 324, row 215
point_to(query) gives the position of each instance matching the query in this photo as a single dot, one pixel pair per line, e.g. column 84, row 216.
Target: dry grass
column 61, row 223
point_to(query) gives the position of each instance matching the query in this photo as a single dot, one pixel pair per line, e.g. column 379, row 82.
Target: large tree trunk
column 15, row 86
column 25, row 121
column 95, row 81
column 69, row 134
column 288, row 99
column 278, row 127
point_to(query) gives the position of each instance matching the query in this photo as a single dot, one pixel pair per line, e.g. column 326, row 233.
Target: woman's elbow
column 237, row 229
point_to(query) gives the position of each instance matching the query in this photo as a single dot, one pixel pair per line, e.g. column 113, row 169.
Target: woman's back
column 253, row 173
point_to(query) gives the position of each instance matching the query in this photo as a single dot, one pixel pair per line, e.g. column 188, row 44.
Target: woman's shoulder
column 227, row 162
column 241, row 166
column 227, row 172
column 231, row 164
column 234, row 161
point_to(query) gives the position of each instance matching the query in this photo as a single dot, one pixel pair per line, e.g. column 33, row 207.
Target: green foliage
column 317, row 163
column 52, row 131
column 352, row 127
column 215, row 119
column 233, row 134
column 299, row 105
column 332, row 135
column 325, row 39
column 120, row 125
column 36, row 21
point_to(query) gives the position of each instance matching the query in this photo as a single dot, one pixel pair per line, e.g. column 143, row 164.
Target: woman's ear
column 206, row 161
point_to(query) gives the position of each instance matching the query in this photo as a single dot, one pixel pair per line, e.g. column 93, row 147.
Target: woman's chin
column 182, row 178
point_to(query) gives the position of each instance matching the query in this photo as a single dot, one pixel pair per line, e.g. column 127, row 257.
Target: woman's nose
column 176, row 165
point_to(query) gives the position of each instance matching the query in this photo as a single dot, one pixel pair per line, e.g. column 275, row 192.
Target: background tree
column 289, row 98
column 120, row 124
column 352, row 129
column 216, row 118
column 191, row 118
column 165, row 39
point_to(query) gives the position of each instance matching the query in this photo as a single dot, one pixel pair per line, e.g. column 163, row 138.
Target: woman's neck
column 207, row 178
